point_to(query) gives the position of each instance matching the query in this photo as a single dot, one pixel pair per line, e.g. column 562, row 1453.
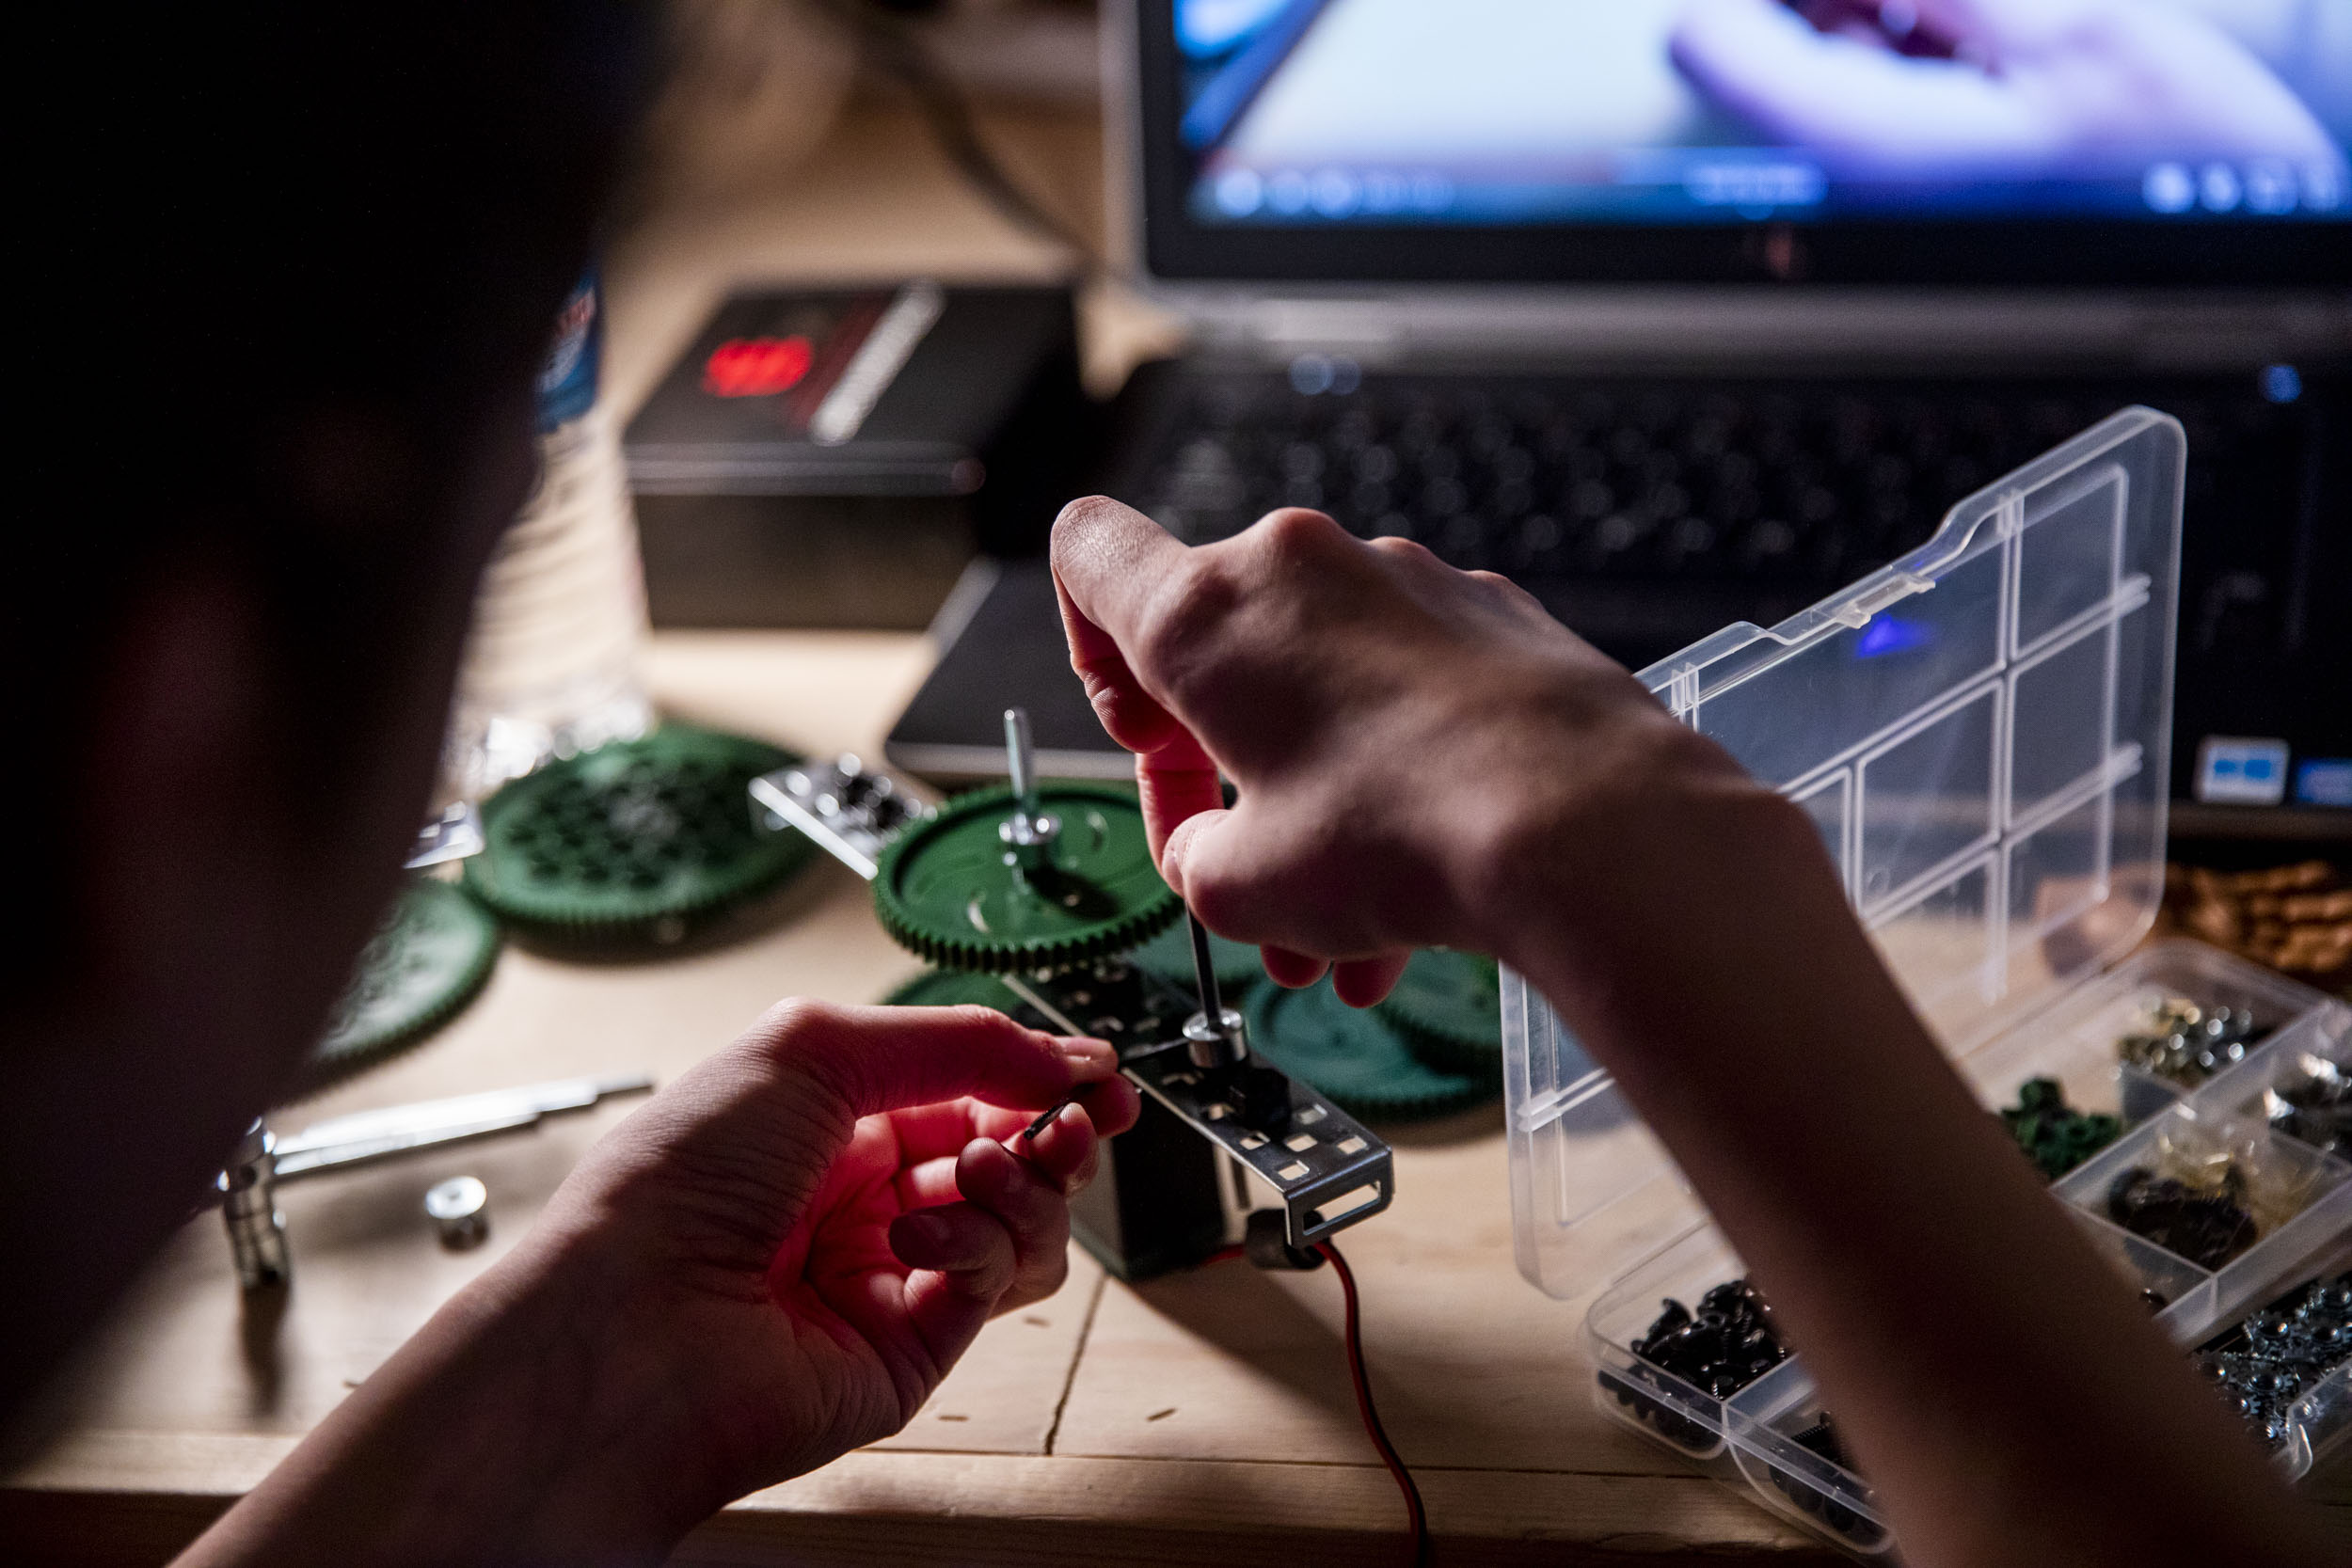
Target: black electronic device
column 835, row 457
column 1672, row 365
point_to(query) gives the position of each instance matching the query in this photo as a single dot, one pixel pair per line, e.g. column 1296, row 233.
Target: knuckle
column 1294, row 531
column 1193, row 601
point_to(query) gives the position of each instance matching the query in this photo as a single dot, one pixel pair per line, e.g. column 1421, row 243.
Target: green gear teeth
column 1354, row 1056
column 1449, row 1006
column 635, row 839
column 430, row 958
column 946, row 888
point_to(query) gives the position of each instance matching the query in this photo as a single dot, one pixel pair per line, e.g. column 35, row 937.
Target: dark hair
column 243, row 216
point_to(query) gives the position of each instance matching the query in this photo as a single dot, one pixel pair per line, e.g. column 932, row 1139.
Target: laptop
column 1685, row 312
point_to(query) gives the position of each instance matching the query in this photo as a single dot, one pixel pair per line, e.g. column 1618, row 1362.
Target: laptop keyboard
column 1795, row 486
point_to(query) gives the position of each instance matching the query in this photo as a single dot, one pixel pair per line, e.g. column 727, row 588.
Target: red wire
column 1418, row 1517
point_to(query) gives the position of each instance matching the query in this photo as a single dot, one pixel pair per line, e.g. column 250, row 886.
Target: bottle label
column 567, row 379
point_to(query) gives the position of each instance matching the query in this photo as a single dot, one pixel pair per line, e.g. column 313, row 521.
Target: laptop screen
column 2141, row 131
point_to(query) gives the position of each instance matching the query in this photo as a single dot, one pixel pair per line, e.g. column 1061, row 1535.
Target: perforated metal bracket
column 848, row 810
column 1325, row 1168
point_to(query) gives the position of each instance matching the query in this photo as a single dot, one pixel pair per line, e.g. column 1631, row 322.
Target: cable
column 899, row 53
column 1418, row 1517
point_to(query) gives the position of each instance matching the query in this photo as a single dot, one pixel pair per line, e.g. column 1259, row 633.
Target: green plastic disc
column 948, row 889
column 1170, row 956
column 952, row 988
column 430, row 958
column 1449, row 1005
column 1353, row 1055
column 635, row 839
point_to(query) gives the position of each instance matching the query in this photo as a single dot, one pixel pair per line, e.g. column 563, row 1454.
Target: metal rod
column 1204, row 968
column 1021, row 760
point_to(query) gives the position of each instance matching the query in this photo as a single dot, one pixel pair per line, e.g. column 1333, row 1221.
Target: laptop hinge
column 1733, row 326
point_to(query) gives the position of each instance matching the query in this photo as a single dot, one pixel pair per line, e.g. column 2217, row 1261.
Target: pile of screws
column 1722, row 1348
column 2266, row 1363
column 2208, row 1225
column 1820, row 1439
column 2055, row 1136
column 2318, row 1110
column 2177, row 1039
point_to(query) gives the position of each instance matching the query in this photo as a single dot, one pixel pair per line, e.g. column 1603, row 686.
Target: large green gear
column 1170, row 956
column 430, row 958
column 636, row 839
column 947, row 890
column 1354, row 1056
column 1449, row 1006
column 952, row 988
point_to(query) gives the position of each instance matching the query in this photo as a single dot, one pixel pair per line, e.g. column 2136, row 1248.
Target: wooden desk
column 1200, row 1418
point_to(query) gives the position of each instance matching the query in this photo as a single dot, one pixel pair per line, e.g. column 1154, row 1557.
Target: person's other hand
column 2035, row 88
column 814, row 1223
column 771, row 1262
column 1409, row 741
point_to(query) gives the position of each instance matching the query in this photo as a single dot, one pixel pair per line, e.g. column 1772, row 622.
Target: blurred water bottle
column 552, row 664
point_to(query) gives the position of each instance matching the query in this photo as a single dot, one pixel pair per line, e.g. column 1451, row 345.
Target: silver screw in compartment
column 460, row 1210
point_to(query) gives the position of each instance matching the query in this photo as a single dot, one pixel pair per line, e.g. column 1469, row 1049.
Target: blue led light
column 1892, row 634
column 2282, row 383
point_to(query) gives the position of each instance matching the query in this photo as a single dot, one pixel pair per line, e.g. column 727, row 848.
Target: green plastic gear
column 952, row 988
column 946, row 889
column 430, row 958
column 1354, row 1056
column 635, row 839
column 1449, row 1006
column 1170, row 956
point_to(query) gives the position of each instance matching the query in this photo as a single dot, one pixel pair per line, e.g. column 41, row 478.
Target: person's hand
column 774, row 1262
column 1408, row 741
column 2034, row 87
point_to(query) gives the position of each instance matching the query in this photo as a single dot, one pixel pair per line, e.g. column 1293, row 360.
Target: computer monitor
column 1932, row 142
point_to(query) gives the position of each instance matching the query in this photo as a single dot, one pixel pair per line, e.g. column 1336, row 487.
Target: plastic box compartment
column 1982, row 733
column 2283, row 1062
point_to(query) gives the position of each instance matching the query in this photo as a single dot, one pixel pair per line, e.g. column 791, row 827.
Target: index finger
column 1106, row 559
column 888, row 1058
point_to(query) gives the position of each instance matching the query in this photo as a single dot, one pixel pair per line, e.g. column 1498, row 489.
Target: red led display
column 755, row 367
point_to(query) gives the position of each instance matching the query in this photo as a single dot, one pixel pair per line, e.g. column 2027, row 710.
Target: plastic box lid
column 1981, row 730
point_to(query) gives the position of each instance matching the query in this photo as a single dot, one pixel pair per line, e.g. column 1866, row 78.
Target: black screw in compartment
column 1821, row 1439
column 2208, row 1227
column 1725, row 1345
column 2316, row 1111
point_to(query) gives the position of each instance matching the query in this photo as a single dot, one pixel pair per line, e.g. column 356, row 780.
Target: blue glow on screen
column 1305, row 112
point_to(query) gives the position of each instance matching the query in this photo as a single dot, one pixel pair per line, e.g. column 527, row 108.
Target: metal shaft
column 1030, row 832
column 1021, row 760
column 1204, row 968
column 1214, row 1037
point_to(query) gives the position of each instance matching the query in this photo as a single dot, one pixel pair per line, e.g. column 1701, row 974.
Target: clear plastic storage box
column 1982, row 733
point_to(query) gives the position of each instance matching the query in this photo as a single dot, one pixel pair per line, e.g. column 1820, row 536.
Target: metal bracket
column 1325, row 1168
column 848, row 811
